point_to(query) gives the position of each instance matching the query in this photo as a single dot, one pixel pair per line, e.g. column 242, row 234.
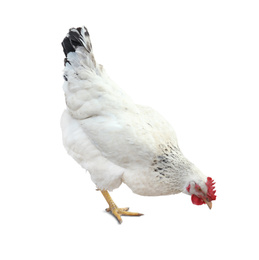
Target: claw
column 117, row 212
column 121, row 209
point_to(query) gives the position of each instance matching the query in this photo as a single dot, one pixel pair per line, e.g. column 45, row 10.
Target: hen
column 116, row 140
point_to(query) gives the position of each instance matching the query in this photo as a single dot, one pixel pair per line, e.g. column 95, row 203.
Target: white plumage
column 112, row 137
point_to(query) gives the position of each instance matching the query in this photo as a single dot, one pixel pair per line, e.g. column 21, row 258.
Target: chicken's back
column 105, row 112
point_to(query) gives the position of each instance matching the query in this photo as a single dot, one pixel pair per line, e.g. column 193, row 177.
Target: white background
column 197, row 63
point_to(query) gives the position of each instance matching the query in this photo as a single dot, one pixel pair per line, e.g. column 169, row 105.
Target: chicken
column 116, row 140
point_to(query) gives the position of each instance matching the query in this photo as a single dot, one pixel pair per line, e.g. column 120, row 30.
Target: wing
column 130, row 139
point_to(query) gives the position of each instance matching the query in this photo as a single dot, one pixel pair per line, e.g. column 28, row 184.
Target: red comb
column 211, row 189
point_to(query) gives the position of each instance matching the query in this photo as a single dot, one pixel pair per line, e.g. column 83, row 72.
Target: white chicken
column 116, row 140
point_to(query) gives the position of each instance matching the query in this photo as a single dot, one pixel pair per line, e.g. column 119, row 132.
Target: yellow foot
column 117, row 212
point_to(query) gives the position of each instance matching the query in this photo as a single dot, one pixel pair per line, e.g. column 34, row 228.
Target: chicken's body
column 112, row 137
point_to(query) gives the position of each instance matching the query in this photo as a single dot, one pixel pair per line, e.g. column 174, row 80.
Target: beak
column 209, row 203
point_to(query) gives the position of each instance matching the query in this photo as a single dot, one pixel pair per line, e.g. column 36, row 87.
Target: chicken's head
column 202, row 192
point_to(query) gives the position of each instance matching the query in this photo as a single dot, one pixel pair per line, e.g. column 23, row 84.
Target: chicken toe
column 117, row 212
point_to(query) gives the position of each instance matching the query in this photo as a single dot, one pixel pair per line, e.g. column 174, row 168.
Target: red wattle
column 196, row 200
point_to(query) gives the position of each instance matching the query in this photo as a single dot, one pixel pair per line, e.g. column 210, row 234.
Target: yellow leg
column 117, row 212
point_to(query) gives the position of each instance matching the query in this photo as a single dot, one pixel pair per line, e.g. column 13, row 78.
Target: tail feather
column 75, row 38
column 78, row 50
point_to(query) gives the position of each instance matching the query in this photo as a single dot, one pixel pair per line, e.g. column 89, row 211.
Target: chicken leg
column 117, row 212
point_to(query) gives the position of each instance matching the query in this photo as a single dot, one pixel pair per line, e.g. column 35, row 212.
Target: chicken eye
column 197, row 188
